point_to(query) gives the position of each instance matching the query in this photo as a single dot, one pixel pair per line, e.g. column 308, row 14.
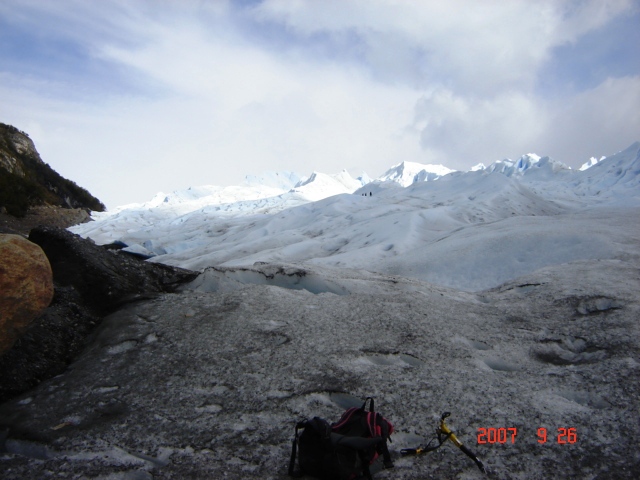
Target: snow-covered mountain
column 407, row 173
column 320, row 185
column 470, row 230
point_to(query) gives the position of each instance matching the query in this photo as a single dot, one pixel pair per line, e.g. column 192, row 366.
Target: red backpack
column 344, row 450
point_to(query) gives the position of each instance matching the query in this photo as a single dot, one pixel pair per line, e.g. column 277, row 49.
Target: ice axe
column 444, row 433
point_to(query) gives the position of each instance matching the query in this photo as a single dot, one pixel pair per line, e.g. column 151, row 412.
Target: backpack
column 345, row 449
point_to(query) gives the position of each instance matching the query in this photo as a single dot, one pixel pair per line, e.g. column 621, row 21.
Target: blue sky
column 128, row 98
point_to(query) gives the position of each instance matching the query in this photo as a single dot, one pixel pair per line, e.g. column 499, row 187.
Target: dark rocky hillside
column 26, row 181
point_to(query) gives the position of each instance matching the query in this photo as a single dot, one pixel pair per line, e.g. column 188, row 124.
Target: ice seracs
column 590, row 163
column 406, row 173
column 524, row 165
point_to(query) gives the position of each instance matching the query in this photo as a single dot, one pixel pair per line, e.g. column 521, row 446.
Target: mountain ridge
column 308, row 188
column 273, row 191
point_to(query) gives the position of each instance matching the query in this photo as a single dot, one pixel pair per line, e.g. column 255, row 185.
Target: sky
column 131, row 97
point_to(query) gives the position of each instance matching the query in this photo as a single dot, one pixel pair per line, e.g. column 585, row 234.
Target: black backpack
column 345, row 449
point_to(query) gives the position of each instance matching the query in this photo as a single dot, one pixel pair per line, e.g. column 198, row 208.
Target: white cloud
column 462, row 131
column 597, row 122
column 578, row 18
column 482, row 47
column 224, row 110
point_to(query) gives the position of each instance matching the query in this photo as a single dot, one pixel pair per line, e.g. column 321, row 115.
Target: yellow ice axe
column 452, row 436
column 445, row 433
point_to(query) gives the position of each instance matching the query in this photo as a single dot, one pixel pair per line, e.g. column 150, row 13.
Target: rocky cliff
column 26, row 181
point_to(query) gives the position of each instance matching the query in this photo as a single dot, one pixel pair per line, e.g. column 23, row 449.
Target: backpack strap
column 294, row 450
column 375, row 420
column 386, row 456
column 364, row 405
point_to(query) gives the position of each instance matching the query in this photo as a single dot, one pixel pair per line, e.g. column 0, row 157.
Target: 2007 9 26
column 505, row 435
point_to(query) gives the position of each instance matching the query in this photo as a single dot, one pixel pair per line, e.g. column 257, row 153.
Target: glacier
column 507, row 295
column 467, row 230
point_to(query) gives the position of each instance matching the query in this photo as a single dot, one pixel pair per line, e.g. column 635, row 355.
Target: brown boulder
column 26, row 286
